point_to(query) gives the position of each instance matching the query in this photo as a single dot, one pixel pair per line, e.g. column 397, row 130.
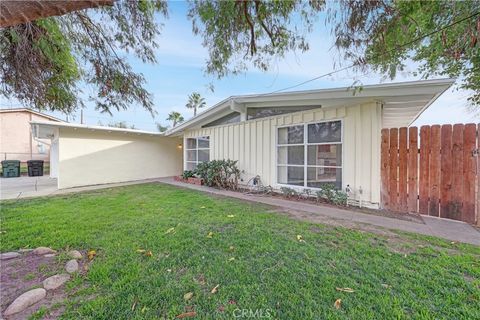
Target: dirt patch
column 26, row 272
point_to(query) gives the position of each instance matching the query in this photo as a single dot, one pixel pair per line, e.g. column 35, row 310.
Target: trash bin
column 35, row 168
column 10, row 168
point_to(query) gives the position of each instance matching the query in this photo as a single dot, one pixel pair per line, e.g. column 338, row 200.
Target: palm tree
column 195, row 101
column 175, row 117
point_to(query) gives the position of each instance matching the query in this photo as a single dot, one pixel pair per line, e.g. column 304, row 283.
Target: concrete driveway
column 13, row 188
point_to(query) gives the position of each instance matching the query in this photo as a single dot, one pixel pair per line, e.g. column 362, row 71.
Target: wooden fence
column 434, row 173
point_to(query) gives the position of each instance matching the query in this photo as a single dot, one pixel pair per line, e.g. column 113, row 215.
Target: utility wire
column 382, row 54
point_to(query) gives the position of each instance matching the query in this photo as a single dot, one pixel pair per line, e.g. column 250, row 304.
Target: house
column 299, row 139
column 16, row 139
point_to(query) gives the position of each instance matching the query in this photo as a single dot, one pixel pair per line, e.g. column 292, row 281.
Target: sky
column 180, row 71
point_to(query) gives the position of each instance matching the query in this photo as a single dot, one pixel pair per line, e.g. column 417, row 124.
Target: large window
column 310, row 155
column 196, row 150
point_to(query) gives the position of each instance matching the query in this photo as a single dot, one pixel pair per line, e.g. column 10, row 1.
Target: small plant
column 307, row 193
column 219, row 173
column 329, row 194
column 188, row 174
column 289, row 192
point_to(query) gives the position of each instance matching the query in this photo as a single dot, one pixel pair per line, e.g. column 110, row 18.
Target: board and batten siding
column 253, row 144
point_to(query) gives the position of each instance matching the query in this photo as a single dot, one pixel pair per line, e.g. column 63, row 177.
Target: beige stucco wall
column 16, row 141
column 253, row 144
column 97, row 157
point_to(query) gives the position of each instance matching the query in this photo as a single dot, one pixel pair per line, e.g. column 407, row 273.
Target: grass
column 272, row 274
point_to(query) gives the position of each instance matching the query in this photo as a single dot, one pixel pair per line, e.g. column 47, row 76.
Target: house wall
column 97, row 157
column 16, row 141
column 253, row 144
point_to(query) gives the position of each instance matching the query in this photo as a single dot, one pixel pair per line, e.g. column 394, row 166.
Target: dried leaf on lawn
column 338, row 303
column 231, row 259
column 300, row 238
column 149, row 253
column 188, row 295
column 231, row 216
column 170, row 230
column 215, row 289
column 140, row 250
column 186, row 315
column 210, row 235
column 91, row 254
column 349, row 290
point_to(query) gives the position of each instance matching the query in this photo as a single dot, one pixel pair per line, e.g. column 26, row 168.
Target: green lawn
column 273, row 272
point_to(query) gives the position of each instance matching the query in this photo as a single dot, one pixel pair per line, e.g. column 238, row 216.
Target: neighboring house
column 297, row 139
column 16, row 139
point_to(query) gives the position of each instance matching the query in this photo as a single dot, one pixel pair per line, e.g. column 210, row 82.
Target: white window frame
column 196, row 149
column 305, row 145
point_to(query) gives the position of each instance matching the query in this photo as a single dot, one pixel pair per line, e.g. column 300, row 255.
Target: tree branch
column 17, row 12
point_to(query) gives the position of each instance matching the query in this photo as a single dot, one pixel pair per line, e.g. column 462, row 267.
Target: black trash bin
column 35, row 168
column 10, row 168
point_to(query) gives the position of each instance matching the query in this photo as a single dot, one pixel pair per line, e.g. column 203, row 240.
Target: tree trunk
column 18, row 11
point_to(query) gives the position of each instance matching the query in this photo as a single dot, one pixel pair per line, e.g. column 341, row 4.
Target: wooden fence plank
column 412, row 169
column 457, row 172
column 384, row 169
column 423, row 187
column 477, row 217
column 402, row 169
column 393, row 174
column 469, row 172
column 434, row 171
column 446, row 172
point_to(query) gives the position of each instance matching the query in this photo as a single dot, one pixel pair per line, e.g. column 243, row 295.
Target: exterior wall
column 253, row 144
column 16, row 141
column 98, row 157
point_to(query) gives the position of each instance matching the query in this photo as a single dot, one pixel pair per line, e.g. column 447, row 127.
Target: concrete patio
column 22, row 187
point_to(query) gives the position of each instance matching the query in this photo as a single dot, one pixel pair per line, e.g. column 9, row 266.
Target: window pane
column 203, row 155
column 191, row 165
column 316, row 177
column 325, row 132
column 191, row 143
column 204, row 142
column 233, row 117
column 256, row 113
column 325, row 155
column 290, row 175
column 191, row 155
column 291, row 155
column 290, row 135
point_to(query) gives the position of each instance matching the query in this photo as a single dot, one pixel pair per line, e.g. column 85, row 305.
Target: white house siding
column 89, row 157
column 253, row 144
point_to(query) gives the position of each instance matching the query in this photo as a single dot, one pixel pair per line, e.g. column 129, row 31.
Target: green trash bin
column 10, row 168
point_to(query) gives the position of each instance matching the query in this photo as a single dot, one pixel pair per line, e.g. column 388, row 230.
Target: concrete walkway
column 443, row 228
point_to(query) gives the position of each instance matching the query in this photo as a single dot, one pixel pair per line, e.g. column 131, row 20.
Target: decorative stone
column 75, row 254
column 25, row 300
column 43, row 250
column 49, row 255
column 9, row 255
column 55, row 281
column 25, row 250
column 71, row 266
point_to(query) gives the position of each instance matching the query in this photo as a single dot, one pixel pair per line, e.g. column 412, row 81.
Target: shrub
column 329, row 194
column 219, row 173
column 288, row 192
column 188, row 174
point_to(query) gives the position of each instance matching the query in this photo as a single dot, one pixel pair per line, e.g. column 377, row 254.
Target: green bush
column 329, row 194
column 188, row 174
column 289, row 192
column 219, row 173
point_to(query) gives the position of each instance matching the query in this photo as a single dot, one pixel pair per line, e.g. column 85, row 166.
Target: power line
column 382, row 54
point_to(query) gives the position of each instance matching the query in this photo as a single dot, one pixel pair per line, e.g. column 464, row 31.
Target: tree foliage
column 175, row 117
column 195, row 101
column 46, row 61
column 442, row 37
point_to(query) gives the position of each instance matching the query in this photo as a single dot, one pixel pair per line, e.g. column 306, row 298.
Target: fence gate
column 432, row 173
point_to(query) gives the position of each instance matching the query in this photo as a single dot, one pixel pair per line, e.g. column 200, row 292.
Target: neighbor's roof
column 31, row 111
column 402, row 102
column 43, row 129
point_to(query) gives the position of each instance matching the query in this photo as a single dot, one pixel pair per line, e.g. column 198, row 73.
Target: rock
column 43, row 250
column 55, row 281
column 75, row 254
column 25, row 250
column 71, row 266
column 49, row 255
column 9, row 255
column 25, row 300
